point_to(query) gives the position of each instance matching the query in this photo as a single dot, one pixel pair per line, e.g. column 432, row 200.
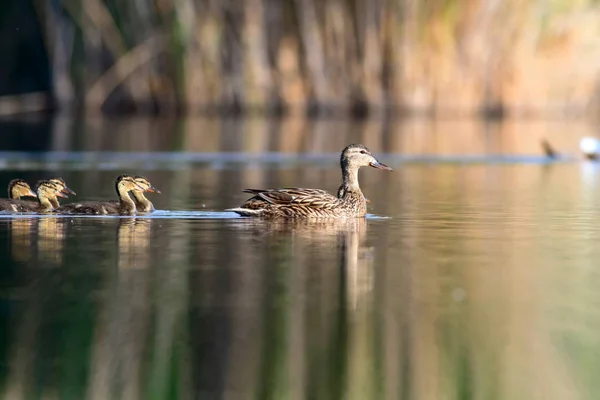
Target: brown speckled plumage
column 316, row 203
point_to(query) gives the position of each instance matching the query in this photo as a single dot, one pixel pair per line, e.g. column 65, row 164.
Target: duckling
column 17, row 188
column 62, row 186
column 64, row 189
column 45, row 190
column 142, row 204
column 306, row 203
column 126, row 206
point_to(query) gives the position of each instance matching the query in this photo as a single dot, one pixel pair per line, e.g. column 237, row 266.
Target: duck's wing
column 293, row 197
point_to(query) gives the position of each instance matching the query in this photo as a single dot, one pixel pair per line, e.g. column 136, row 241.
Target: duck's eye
column 363, row 152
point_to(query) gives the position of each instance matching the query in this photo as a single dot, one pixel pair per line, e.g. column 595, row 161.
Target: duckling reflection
column 133, row 238
column 120, row 333
column 21, row 235
column 50, row 239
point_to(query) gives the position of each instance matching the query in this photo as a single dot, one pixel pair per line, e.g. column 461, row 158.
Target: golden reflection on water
column 40, row 240
column 21, row 232
column 50, row 239
column 122, row 326
column 411, row 136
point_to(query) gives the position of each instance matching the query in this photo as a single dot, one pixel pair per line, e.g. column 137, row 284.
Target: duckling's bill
column 152, row 189
column 67, row 190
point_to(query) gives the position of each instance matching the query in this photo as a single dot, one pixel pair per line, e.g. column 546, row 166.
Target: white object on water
column 589, row 145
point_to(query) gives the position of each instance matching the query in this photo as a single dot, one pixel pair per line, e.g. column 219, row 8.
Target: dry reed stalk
column 437, row 55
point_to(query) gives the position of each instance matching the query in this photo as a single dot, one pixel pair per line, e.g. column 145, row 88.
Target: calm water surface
column 473, row 280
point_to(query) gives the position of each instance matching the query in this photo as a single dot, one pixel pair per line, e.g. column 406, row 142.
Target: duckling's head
column 125, row 183
column 60, row 182
column 145, row 184
column 47, row 189
column 18, row 188
column 357, row 155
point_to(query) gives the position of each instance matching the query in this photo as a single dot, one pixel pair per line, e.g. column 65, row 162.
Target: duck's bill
column 31, row 193
column 61, row 194
column 152, row 189
column 378, row 165
column 67, row 190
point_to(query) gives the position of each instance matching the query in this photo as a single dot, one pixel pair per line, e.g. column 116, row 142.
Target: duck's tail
column 246, row 212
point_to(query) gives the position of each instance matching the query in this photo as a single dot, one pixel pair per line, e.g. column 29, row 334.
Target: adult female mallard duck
column 46, row 191
column 125, row 206
column 142, row 204
column 306, row 203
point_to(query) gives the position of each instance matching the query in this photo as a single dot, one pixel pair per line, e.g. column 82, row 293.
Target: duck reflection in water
column 51, row 239
column 316, row 236
column 21, row 238
column 40, row 237
column 133, row 237
column 305, row 287
column 123, row 323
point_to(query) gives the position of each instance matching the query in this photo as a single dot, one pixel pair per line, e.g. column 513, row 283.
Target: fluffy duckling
column 17, row 188
column 64, row 189
column 125, row 205
column 46, row 190
column 142, row 204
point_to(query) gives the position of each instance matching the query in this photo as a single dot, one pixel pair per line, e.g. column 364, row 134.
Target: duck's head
column 145, row 184
column 47, row 189
column 357, row 155
column 18, row 188
column 60, row 182
column 126, row 183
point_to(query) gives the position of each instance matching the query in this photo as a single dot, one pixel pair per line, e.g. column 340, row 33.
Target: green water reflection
column 482, row 284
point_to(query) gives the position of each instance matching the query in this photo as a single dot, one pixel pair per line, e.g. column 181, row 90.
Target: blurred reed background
column 358, row 57
column 408, row 139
